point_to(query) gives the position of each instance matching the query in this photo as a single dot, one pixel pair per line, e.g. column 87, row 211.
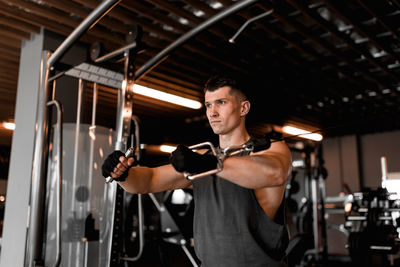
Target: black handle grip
column 260, row 143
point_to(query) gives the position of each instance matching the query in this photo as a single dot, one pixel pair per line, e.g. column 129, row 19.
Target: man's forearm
column 254, row 171
column 138, row 181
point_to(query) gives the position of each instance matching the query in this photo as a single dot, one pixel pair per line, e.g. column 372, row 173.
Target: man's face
column 223, row 110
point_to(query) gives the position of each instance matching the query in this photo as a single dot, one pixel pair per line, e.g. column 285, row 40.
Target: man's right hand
column 117, row 166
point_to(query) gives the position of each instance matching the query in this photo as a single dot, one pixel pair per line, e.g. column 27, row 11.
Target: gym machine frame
column 36, row 221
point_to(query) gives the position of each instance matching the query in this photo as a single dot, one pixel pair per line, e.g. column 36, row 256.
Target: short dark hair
column 217, row 81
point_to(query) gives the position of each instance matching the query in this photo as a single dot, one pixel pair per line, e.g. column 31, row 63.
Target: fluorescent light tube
column 178, row 100
column 302, row 133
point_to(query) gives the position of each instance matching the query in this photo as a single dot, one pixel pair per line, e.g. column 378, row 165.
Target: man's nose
column 213, row 112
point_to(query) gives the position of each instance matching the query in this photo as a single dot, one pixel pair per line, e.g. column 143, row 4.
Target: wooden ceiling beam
column 14, row 33
column 41, row 21
column 371, row 11
column 18, row 24
column 329, row 28
column 337, row 90
column 361, row 29
column 187, row 15
column 321, row 43
column 202, row 6
column 64, row 18
column 126, row 17
column 4, row 54
column 139, row 8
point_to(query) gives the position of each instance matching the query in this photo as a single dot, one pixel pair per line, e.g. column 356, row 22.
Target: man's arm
column 143, row 180
column 268, row 168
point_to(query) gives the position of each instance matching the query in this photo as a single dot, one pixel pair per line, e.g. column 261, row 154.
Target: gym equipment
column 128, row 154
column 108, row 254
column 255, row 145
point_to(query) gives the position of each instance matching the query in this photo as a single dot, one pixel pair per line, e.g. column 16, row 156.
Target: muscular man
column 238, row 219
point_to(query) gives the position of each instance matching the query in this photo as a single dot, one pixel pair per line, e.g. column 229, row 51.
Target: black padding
column 260, row 143
column 185, row 160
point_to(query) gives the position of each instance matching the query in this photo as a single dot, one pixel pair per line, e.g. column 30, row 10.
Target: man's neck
column 233, row 139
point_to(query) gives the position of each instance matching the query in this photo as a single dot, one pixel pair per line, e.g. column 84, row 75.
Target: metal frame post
column 34, row 249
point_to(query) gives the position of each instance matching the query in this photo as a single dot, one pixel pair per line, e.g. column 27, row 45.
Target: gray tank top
column 231, row 228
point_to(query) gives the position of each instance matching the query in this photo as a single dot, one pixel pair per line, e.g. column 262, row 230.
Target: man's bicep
column 281, row 152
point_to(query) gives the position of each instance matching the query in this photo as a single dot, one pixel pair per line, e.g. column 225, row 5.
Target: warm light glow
column 9, row 125
column 302, row 133
column 347, row 207
column 178, row 100
column 167, row 149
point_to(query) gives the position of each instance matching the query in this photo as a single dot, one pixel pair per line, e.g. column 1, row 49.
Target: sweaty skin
column 265, row 171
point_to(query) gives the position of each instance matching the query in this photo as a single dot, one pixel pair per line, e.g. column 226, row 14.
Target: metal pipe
column 77, row 134
column 140, row 205
column 34, row 248
column 59, row 179
column 116, row 52
column 186, row 37
column 384, row 171
column 233, row 38
column 141, row 231
column 86, row 24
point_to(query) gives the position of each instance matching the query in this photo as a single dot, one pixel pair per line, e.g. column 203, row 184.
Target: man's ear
column 245, row 108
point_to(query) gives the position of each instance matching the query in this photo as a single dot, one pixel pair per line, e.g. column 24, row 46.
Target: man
column 238, row 219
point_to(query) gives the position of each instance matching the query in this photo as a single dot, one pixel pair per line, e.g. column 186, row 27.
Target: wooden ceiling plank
column 329, row 28
column 13, row 33
column 187, row 15
column 40, row 21
column 4, row 54
column 9, row 51
column 18, row 24
column 63, row 18
column 301, row 48
column 361, row 29
column 394, row 32
column 154, row 15
column 82, row 12
column 126, row 17
column 317, row 40
column 175, row 80
column 167, row 6
column 199, row 5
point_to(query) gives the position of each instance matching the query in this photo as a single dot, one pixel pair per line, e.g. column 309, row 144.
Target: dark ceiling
column 330, row 65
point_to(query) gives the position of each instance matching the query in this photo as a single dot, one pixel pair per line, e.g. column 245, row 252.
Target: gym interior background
column 327, row 67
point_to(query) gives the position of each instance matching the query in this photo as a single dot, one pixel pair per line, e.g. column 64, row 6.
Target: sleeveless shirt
column 231, row 229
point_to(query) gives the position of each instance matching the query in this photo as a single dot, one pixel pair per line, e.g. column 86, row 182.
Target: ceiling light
column 178, row 100
column 302, row 133
column 216, row 5
column 9, row 125
column 167, row 149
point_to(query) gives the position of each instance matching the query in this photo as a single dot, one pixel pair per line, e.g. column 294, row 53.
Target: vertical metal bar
column 34, row 249
column 59, row 178
column 124, row 117
column 125, row 101
column 314, row 195
column 77, row 131
column 384, row 171
column 92, row 135
column 87, row 23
